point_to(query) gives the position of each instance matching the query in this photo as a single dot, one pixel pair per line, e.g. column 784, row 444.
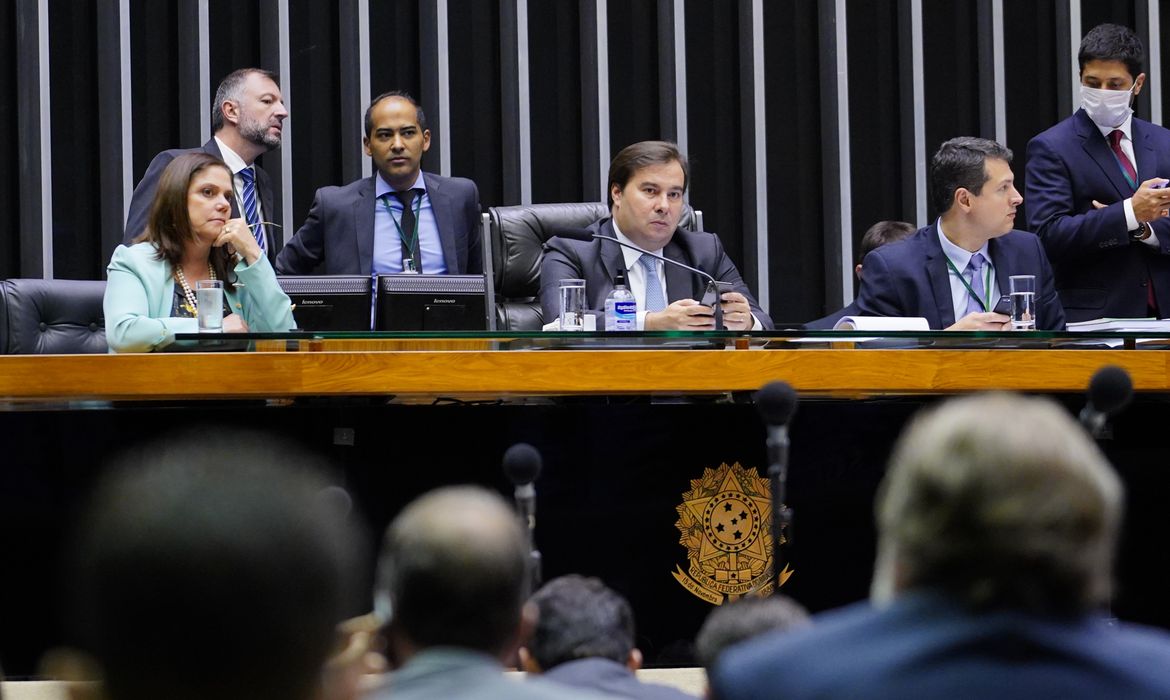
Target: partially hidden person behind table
column 953, row 272
column 647, row 181
column 876, row 236
column 190, row 236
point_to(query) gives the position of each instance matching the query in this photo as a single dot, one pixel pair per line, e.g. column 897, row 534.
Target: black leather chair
column 40, row 317
column 517, row 236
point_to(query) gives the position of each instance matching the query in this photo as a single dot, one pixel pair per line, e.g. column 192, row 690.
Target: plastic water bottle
column 621, row 310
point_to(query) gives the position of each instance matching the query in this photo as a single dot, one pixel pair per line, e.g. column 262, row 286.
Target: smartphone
column 1004, row 305
column 714, row 292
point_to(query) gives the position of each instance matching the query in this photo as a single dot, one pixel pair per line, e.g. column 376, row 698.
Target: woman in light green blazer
column 190, row 236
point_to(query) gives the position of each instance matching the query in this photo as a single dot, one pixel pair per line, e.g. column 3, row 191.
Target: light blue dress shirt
column 387, row 244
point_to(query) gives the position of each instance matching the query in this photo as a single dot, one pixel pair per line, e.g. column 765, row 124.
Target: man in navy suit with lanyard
column 953, row 272
column 1097, row 195
column 399, row 220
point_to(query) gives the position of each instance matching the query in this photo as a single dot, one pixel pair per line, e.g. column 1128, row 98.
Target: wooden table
column 495, row 373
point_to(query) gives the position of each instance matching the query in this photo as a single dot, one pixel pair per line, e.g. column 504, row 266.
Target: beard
column 257, row 132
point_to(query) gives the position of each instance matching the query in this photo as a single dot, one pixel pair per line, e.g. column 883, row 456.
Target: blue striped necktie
column 251, row 206
column 655, row 298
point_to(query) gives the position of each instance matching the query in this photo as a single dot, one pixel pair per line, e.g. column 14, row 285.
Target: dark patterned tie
column 252, row 208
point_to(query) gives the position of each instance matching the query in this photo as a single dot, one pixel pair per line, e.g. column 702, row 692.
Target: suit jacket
column 597, row 262
column 140, row 292
column 910, row 278
column 826, row 323
column 448, row 673
column 927, row 646
column 337, row 238
column 1099, row 270
column 144, row 195
column 611, row 679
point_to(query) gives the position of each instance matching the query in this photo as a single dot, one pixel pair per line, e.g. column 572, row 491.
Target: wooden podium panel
column 488, row 373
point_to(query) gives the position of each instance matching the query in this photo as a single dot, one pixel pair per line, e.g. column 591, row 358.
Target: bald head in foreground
column 453, row 578
column 997, row 525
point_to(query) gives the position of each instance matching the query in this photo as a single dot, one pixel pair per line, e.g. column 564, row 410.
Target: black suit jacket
column 910, row 278
column 597, row 262
column 337, row 238
column 144, row 195
column 1099, row 270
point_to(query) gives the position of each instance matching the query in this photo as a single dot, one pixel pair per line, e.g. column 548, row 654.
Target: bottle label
column 625, row 315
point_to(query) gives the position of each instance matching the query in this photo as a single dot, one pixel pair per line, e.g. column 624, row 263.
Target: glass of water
column 1023, row 295
column 209, row 297
column 572, row 305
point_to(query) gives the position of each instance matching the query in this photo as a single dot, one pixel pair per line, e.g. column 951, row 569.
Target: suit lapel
column 363, row 221
column 679, row 282
column 1006, row 265
column 1098, row 149
column 612, row 258
column 940, row 279
column 1147, row 157
column 441, row 208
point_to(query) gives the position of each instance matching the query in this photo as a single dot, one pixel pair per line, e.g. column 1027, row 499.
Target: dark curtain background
column 160, row 34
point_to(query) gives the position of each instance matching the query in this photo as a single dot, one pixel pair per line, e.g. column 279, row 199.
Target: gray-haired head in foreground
column 215, row 564
column 740, row 620
column 454, row 567
column 580, row 618
column 1002, row 501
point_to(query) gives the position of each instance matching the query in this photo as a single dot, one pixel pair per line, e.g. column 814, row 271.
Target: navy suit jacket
column 144, row 195
column 927, row 646
column 597, row 262
column 826, row 323
column 1099, row 270
column 337, row 238
column 910, row 278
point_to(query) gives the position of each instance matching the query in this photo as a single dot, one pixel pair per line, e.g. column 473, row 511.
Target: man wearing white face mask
column 1095, row 187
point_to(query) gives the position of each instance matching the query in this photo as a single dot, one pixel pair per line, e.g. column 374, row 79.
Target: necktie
column 975, row 301
column 251, row 208
column 1122, row 159
column 655, row 298
column 1115, row 137
column 409, row 232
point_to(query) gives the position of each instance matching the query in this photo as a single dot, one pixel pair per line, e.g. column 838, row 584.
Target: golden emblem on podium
column 726, row 525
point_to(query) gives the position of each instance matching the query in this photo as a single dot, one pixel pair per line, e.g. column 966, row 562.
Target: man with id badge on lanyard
column 954, row 272
column 400, row 219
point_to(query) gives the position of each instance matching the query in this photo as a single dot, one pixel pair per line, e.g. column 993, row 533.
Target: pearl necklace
column 192, row 301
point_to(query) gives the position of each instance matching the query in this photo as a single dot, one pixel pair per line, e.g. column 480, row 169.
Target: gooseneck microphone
column 522, row 465
column 1110, row 390
column 584, row 234
column 776, row 402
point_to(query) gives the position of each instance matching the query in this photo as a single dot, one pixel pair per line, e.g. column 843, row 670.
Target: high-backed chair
column 40, row 317
column 517, row 235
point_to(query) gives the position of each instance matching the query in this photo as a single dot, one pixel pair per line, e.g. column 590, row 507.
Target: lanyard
column 409, row 243
column 971, row 292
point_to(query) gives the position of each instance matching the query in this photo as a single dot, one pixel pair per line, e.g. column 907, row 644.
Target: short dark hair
column 580, row 618
column 422, row 117
column 636, row 156
column 454, row 570
column 213, row 568
column 229, row 89
column 961, row 163
column 740, row 620
column 881, row 233
column 1113, row 42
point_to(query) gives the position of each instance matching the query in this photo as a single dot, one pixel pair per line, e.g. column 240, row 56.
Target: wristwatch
column 1141, row 233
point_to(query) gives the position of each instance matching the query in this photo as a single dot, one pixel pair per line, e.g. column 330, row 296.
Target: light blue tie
column 251, row 210
column 655, row 298
column 975, row 301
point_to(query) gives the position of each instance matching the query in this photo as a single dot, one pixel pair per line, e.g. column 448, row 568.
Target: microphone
column 522, row 465
column 1110, row 390
column 776, row 402
column 713, row 288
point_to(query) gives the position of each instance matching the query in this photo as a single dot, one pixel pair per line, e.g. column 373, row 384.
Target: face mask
column 1107, row 108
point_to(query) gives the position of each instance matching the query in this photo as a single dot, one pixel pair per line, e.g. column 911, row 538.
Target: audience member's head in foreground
column 740, row 620
column 213, row 566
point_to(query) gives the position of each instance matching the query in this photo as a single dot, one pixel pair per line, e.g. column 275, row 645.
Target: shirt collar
column 629, row 254
column 958, row 256
column 381, row 187
column 230, row 157
column 1125, row 128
